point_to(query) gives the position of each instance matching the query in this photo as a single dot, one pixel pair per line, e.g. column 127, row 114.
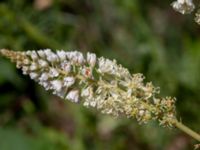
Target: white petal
column 62, row 55
column 53, row 72
column 42, row 63
column 69, row 81
column 34, row 55
column 41, row 53
column 91, row 59
column 51, row 57
column 73, row 96
column 33, row 75
column 44, row 77
column 56, row 85
column 66, row 66
column 33, row 67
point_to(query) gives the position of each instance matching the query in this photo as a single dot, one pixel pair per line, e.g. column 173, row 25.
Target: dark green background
column 146, row 36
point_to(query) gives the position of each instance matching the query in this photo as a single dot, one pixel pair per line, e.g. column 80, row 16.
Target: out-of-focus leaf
column 8, row 73
column 13, row 139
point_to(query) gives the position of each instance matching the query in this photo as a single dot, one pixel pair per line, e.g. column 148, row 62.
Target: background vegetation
column 145, row 36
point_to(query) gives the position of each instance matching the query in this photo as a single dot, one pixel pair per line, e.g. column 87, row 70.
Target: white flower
column 33, row 75
column 129, row 93
column 53, row 72
column 46, row 85
column 197, row 17
column 87, row 92
column 106, row 66
column 33, row 66
column 66, row 66
column 91, row 59
column 69, row 81
column 25, row 69
column 183, row 6
column 42, row 63
column 56, row 85
column 26, row 61
column 156, row 100
column 141, row 112
column 93, row 103
column 51, row 57
column 41, row 53
column 28, row 53
column 86, row 103
column 34, row 55
column 44, row 77
column 48, row 52
column 87, row 72
column 80, row 58
column 73, row 96
column 62, row 55
column 76, row 57
column 115, row 95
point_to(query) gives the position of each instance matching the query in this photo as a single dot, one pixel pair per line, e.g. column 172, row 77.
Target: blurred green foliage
column 144, row 36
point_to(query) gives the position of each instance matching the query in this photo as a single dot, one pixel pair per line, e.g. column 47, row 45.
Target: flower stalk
column 99, row 83
column 187, row 130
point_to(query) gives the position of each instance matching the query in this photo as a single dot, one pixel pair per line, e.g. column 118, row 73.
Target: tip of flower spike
column 4, row 51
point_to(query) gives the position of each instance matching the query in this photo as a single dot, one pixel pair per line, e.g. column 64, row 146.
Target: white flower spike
column 95, row 82
column 99, row 83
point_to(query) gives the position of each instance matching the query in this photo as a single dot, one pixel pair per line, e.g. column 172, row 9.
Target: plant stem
column 187, row 130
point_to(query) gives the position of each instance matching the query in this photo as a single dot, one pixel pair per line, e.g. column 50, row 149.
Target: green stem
column 187, row 130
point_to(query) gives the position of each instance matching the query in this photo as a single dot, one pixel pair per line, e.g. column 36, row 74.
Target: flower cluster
column 95, row 82
column 183, row 6
column 186, row 7
column 197, row 17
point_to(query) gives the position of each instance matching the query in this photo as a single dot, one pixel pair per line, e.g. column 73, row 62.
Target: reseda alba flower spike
column 99, row 83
